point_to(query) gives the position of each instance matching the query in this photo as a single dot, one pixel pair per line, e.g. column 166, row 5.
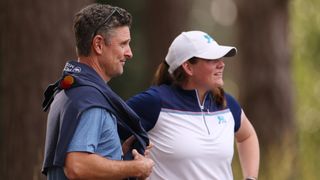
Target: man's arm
column 95, row 134
column 248, row 148
column 92, row 166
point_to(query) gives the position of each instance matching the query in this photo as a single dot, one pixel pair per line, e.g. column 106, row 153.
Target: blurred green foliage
column 305, row 39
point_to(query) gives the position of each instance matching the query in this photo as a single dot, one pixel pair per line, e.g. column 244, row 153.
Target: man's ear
column 187, row 68
column 97, row 44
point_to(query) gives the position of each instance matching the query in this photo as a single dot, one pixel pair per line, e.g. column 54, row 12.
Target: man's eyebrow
column 125, row 41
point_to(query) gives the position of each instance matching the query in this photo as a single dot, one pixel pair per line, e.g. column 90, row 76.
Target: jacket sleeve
column 235, row 110
column 147, row 105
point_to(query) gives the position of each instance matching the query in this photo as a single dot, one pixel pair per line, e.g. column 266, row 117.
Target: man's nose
column 128, row 53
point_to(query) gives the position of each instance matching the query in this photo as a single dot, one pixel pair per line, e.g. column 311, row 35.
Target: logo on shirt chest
column 221, row 120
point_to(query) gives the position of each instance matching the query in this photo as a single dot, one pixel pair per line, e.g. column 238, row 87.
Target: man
column 82, row 139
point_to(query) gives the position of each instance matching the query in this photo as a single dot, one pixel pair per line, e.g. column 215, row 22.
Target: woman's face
column 207, row 74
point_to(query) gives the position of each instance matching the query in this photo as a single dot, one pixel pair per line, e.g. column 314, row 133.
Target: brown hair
column 93, row 20
column 179, row 76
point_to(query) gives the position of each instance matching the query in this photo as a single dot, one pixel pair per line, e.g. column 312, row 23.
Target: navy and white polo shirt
column 191, row 140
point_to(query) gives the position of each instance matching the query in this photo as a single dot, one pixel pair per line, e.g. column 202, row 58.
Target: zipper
column 202, row 108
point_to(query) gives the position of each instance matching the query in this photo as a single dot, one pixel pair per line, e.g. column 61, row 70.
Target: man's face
column 116, row 52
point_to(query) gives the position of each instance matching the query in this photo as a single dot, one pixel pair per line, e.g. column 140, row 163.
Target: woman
column 190, row 120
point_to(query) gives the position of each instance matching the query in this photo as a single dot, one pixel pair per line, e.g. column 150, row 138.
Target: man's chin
column 118, row 74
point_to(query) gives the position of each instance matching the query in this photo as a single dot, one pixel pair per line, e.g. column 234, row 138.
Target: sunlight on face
column 208, row 74
column 116, row 52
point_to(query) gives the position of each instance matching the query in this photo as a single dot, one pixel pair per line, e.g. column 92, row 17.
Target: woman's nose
column 220, row 64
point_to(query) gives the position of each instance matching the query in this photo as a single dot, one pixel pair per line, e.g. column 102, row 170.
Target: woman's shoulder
column 149, row 96
column 235, row 109
column 147, row 105
column 158, row 91
column 152, row 96
column 231, row 99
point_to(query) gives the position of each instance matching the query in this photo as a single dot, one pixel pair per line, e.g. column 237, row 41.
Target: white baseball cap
column 195, row 44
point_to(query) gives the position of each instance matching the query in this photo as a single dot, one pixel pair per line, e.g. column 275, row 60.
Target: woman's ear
column 187, row 68
column 97, row 44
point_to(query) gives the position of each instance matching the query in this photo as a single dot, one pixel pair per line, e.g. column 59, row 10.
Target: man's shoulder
column 86, row 96
column 84, row 93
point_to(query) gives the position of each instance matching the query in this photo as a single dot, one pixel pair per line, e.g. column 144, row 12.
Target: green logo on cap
column 209, row 38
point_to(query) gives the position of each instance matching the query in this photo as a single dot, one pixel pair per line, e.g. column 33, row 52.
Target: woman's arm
column 248, row 148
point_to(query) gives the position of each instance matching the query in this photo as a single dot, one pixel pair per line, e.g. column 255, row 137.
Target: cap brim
column 218, row 52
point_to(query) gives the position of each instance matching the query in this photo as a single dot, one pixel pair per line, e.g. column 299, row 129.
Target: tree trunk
column 36, row 40
column 266, row 89
column 164, row 21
